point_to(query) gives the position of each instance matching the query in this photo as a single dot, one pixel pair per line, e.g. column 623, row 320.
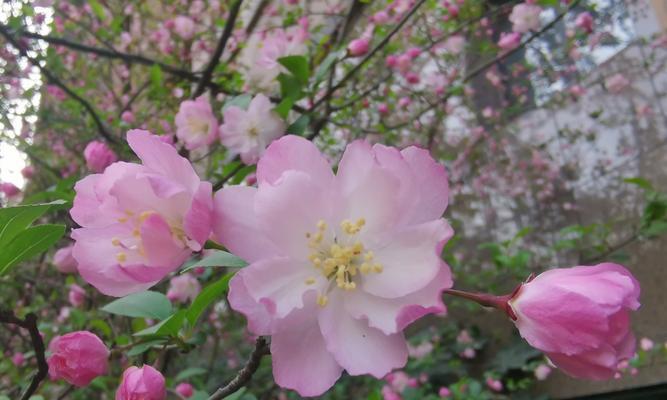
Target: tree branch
column 54, row 80
column 244, row 375
column 215, row 58
column 29, row 323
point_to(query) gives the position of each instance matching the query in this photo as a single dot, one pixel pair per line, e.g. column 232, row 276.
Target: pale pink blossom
column 76, row 295
column 185, row 389
column 145, row 383
column 64, row 261
column 359, row 47
column 139, row 221
column 579, row 317
column 249, row 132
column 444, row 392
column 509, row 41
column 542, row 372
column 455, row 44
column 584, row 21
column 183, row 288
column 646, row 344
column 494, row 384
column 421, row 350
column 616, row 83
column 184, row 27
column 339, row 264
column 78, row 358
column 196, row 125
column 98, row 156
column 468, row 353
column 525, row 17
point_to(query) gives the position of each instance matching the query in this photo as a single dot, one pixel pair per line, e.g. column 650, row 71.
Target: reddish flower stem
column 487, row 300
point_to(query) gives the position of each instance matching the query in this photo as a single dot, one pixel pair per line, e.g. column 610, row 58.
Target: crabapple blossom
column 18, row 359
column 139, row 221
column 249, row 132
column 584, row 22
column 98, row 156
column 339, row 264
column 78, row 358
column 185, row 389
column 359, row 47
column 145, row 383
column 542, row 372
column 579, row 317
column 509, row 41
column 9, row 190
column 76, row 295
column 183, row 288
column 184, row 27
column 28, row 171
column 525, row 17
column 196, row 126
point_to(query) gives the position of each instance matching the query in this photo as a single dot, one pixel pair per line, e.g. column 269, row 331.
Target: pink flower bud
column 584, row 22
column 646, row 344
column 98, row 156
column 76, row 295
column 444, row 392
column 78, row 358
column 414, row 52
column 391, row 61
column 185, row 389
column 183, row 287
column 184, row 27
column 579, row 317
column 383, row 108
column 18, row 359
column 127, row 117
column 359, row 47
column 509, row 41
column 9, row 189
column 380, row 17
column 28, row 172
column 64, row 261
column 494, row 384
column 542, row 372
column 145, row 383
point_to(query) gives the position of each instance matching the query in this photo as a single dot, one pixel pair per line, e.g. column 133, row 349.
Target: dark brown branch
column 370, row 55
column 229, row 175
column 55, row 81
column 244, row 375
column 215, row 58
column 29, row 323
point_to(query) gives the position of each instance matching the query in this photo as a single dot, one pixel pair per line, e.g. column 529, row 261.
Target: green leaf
column 199, row 395
column 15, row 219
column 290, row 87
column 242, row 101
column 322, row 69
column 101, row 326
column 657, row 228
column 145, row 304
column 283, row 108
column 189, row 373
column 217, row 258
column 514, row 356
column 144, row 347
column 170, row 326
column 207, row 296
column 297, row 66
column 97, row 9
column 299, row 126
column 641, row 182
column 157, row 79
column 29, row 243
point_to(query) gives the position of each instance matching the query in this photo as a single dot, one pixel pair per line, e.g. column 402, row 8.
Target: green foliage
column 168, row 327
column 298, row 67
column 145, row 304
column 217, row 258
column 207, row 296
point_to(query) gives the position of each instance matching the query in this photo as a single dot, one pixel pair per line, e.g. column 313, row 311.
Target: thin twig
column 54, row 80
column 244, row 375
column 229, row 175
column 215, row 58
column 29, row 323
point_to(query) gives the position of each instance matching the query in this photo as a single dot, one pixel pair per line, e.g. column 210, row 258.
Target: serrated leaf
column 145, row 304
column 297, row 66
column 207, row 296
column 217, row 258
column 169, row 327
column 29, row 243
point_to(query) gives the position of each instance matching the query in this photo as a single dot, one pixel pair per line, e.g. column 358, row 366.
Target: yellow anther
column 378, row 268
column 321, row 225
column 122, row 220
column 121, row 257
column 136, row 233
column 115, row 241
column 322, row 300
column 350, row 286
column 361, row 222
column 318, row 237
column 365, row 268
column 129, row 213
column 310, row 281
column 369, row 255
column 144, row 215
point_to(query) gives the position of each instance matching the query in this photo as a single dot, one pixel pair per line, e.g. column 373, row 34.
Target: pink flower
column 444, row 392
column 380, row 17
column 64, row 261
column 9, row 190
column 577, row 91
column 183, row 287
column 127, row 117
column 249, row 132
column 584, row 22
column 579, row 317
column 542, row 372
column 494, row 384
column 421, row 350
column 616, row 83
column 139, row 221
column 184, row 27
column 28, row 172
column 145, row 383
column 339, row 264
column 196, row 126
column 383, row 108
column 18, row 359
column 646, row 344
column 455, row 44
column 78, row 358
column 76, row 295
column 359, row 47
column 98, row 156
column 468, row 353
column 509, row 41
column 185, row 389
column 525, row 17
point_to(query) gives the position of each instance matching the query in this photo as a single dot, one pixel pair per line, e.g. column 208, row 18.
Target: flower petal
column 294, row 153
column 159, row 244
column 259, row 319
column 431, row 183
column 198, row 219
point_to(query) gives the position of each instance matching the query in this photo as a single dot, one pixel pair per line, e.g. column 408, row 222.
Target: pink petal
column 235, row 224
column 198, row 219
column 293, row 153
column 410, row 260
column 161, row 248
column 259, row 319
column 357, row 347
column 431, row 182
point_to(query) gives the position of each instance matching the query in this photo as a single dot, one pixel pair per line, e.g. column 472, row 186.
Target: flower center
column 339, row 256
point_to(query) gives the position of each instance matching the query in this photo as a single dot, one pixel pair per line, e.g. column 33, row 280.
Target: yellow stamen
column 322, row 300
column 121, row 257
column 115, row 241
column 310, row 281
